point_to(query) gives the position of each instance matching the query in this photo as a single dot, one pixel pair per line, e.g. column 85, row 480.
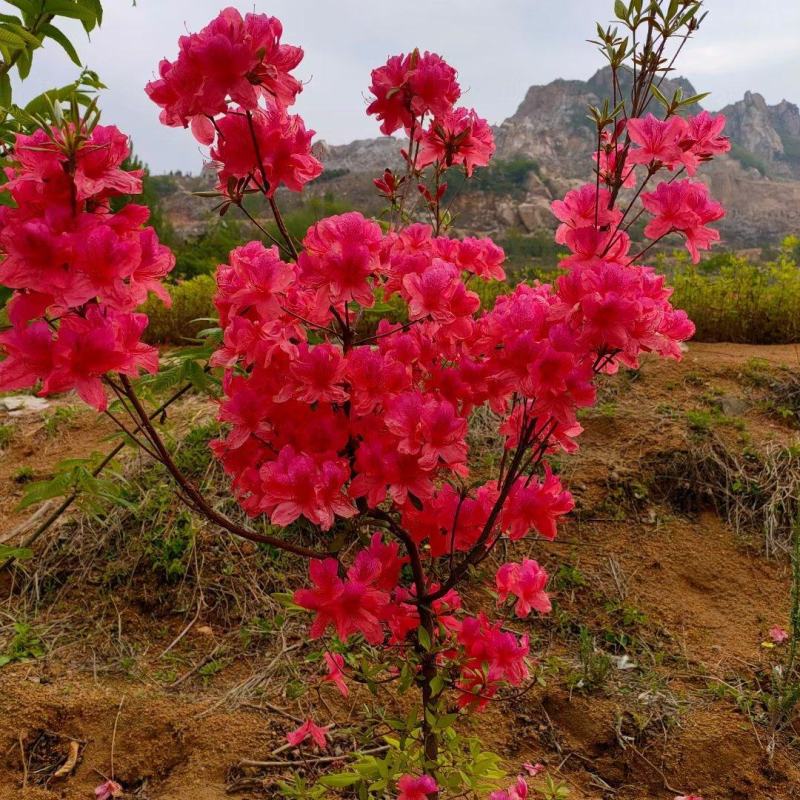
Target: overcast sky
column 500, row 48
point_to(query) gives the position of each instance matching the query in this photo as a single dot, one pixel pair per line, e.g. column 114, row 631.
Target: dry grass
column 755, row 491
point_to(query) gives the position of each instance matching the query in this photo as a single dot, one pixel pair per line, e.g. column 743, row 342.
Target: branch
column 193, row 495
column 69, row 500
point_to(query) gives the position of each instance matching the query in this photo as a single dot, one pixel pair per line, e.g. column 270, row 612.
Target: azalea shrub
column 344, row 427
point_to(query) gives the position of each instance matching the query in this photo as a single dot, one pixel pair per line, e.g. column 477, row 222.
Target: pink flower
column 316, row 375
column 684, row 207
column 88, row 347
column 703, row 140
column 778, row 634
column 689, row 797
column 535, row 505
column 658, row 140
column 408, row 86
column 533, row 769
column 458, row 137
column 29, row 355
column 297, row 484
column 349, row 605
column 527, row 582
column 519, row 791
column 335, row 663
column 107, row 790
column 277, row 149
column 232, row 59
column 342, row 256
column 311, row 730
column 479, row 256
column 416, row 787
column 580, row 207
column 98, row 165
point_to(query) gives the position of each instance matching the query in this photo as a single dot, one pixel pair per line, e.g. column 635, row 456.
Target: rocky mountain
column 758, row 181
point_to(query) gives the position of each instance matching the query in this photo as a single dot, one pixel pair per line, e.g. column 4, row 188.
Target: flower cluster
column 517, row 791
column 526, row 582
column 410, row 88
column 78, row 269
column 593, row 229
column 416, row 787
column 677, row 142
column 232, row 85
column 331, row 419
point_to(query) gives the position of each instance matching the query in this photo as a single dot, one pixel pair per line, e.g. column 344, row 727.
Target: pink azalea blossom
column 309, row 730
column 232, row 59
column 418, row 787
column 458, row 137
column 526, row 581
column 107, row 790
column 657, row 140
column 273, row 146
column 533, row 769
column 335, row 663
column 778, row 634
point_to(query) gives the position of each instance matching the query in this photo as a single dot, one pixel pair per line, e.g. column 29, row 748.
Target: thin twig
column 114, row 735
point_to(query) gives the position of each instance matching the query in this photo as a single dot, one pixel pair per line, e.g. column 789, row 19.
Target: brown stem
column 427, row 656
column 258, row 225
column 282, row 226
column 265, row 187
column 194, row 496
column 69, row 500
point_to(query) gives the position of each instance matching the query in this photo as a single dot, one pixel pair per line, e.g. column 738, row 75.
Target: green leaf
column 444, row 722
column 424, row 638
column 58, row 36
column 24, row 63
column 67, row 8
column 24, row 33
column 96, row 7
column 286, row 599
column 339, row 780
column 659, row 95
column 40, row 491
column 5, row 91
column 25, row 6
column 11, row 39
column 620, row 10
column 695, row 98
column 20, row 553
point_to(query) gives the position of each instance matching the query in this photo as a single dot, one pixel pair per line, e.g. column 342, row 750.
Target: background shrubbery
column 729, row 298
column 192, row 305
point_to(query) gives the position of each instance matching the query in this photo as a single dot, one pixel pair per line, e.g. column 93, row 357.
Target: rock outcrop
column 759, row 181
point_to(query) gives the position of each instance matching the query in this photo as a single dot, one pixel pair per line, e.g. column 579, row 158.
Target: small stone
column 732, row 406
column 205, row 630
column 19, row 404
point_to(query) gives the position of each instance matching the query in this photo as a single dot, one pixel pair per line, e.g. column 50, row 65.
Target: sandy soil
column 680, row 602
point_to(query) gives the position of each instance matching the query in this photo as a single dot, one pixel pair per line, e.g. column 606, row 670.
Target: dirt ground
column 171, row 664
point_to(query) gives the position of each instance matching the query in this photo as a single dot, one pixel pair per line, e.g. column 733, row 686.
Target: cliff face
column 769, row 133
column 759, row 181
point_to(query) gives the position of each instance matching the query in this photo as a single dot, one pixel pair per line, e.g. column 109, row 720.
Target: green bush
column 523, row 250
column 727, row 297
column 192, row 300
column 508, row 176
column 731, row 299
column 202, row 254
